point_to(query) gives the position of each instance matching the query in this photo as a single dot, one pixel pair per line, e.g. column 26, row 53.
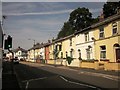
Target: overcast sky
column 39, row 20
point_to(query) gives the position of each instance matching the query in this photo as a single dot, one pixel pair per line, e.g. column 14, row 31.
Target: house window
column 114, row 25
column 101, row 30
column 71, row 42
column 19, row 53
column 71, row 53
column 86, row 37
column 102, row 52
column 60, row 47
column 88, row 53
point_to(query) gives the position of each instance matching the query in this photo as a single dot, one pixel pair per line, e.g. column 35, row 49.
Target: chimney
column 118, row 11
column 101, row 17
column 49, row 41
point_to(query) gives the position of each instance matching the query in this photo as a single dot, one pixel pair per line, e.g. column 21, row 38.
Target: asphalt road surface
column 36, row 75
column 32, row 77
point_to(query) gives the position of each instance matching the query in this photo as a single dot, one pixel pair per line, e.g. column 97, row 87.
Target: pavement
column 9, row 79
column 107, row 72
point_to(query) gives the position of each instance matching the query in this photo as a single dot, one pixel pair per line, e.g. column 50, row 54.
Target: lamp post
column 33, row 47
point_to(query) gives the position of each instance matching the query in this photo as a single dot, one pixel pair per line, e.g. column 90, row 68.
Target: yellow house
column 65, row 46
column 107, row 39
column 51, row 57
column 30, row 55
column 34, row 53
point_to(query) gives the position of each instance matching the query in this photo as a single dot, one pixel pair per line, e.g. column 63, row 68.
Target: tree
column 110, row 8
column 65, row 31
column 80, row 18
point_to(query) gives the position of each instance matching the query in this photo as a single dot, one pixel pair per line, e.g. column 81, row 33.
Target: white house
column 20, row 53
column 85, row 44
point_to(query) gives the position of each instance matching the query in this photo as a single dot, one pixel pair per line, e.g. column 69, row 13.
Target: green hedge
column 69, row 59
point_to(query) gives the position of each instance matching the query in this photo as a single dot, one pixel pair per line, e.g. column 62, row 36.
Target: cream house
column 107, row 39
column 66, row 48
column 35, row 53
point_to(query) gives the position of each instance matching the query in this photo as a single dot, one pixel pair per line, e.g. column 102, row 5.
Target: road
column 34, row 75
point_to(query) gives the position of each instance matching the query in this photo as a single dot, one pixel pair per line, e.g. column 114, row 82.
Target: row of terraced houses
column 97, row 46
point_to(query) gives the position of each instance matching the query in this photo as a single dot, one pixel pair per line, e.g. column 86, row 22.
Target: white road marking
column 28, row 81
column 112, row 77
column 27, row 84
column 37, row 79
column 77, row 83
column 63, row 78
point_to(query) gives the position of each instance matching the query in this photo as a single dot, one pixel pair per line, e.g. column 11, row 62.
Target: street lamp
column 33, row 47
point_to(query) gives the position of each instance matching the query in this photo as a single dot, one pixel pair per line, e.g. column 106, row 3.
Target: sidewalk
column 113, row 73
column 9, row 79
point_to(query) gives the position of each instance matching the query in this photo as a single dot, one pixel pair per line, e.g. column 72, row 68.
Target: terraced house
column 107, row 41
column 85, row 44
column 98, row 45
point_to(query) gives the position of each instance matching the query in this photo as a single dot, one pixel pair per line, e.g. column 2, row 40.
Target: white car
column 16, row 60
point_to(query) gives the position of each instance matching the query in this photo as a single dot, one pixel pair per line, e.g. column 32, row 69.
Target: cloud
column 55, row 1
column 41, row 13
column 50, row 13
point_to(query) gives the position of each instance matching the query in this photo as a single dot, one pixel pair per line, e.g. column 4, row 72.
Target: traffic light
column 8, row 42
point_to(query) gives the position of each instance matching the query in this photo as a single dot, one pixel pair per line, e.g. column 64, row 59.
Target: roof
column 19, row 49
column 37, row 46
column 64, row 38
column 105, row 21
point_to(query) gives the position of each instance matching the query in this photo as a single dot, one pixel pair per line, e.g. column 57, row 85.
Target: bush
column 69, row 59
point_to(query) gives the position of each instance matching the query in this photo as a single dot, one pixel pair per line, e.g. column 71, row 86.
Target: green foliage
column 110, row 8
column 65, row 31
column 69, row 59
column 79, row 18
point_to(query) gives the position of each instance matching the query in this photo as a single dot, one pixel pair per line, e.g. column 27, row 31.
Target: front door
column 118, row 55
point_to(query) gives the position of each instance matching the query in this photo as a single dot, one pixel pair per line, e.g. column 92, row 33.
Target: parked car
column 15, row 60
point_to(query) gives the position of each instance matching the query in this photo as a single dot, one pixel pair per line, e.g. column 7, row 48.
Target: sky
column 39, row 21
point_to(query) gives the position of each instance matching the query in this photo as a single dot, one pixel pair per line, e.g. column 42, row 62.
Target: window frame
column 86, row 36
column 101, row 31
column 70, row 41
column 88, row 53
column 102, row 52
column 114, row 27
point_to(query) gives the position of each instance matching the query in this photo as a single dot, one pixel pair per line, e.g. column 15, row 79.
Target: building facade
column 85, row 44
column 107, row 39
column 20, row 53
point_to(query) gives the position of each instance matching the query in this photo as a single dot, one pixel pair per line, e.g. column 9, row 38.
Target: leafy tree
column 80, row 18
column 110, row 8
column 65, row 31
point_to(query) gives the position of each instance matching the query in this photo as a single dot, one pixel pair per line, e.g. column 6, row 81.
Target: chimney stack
column 101, row 17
